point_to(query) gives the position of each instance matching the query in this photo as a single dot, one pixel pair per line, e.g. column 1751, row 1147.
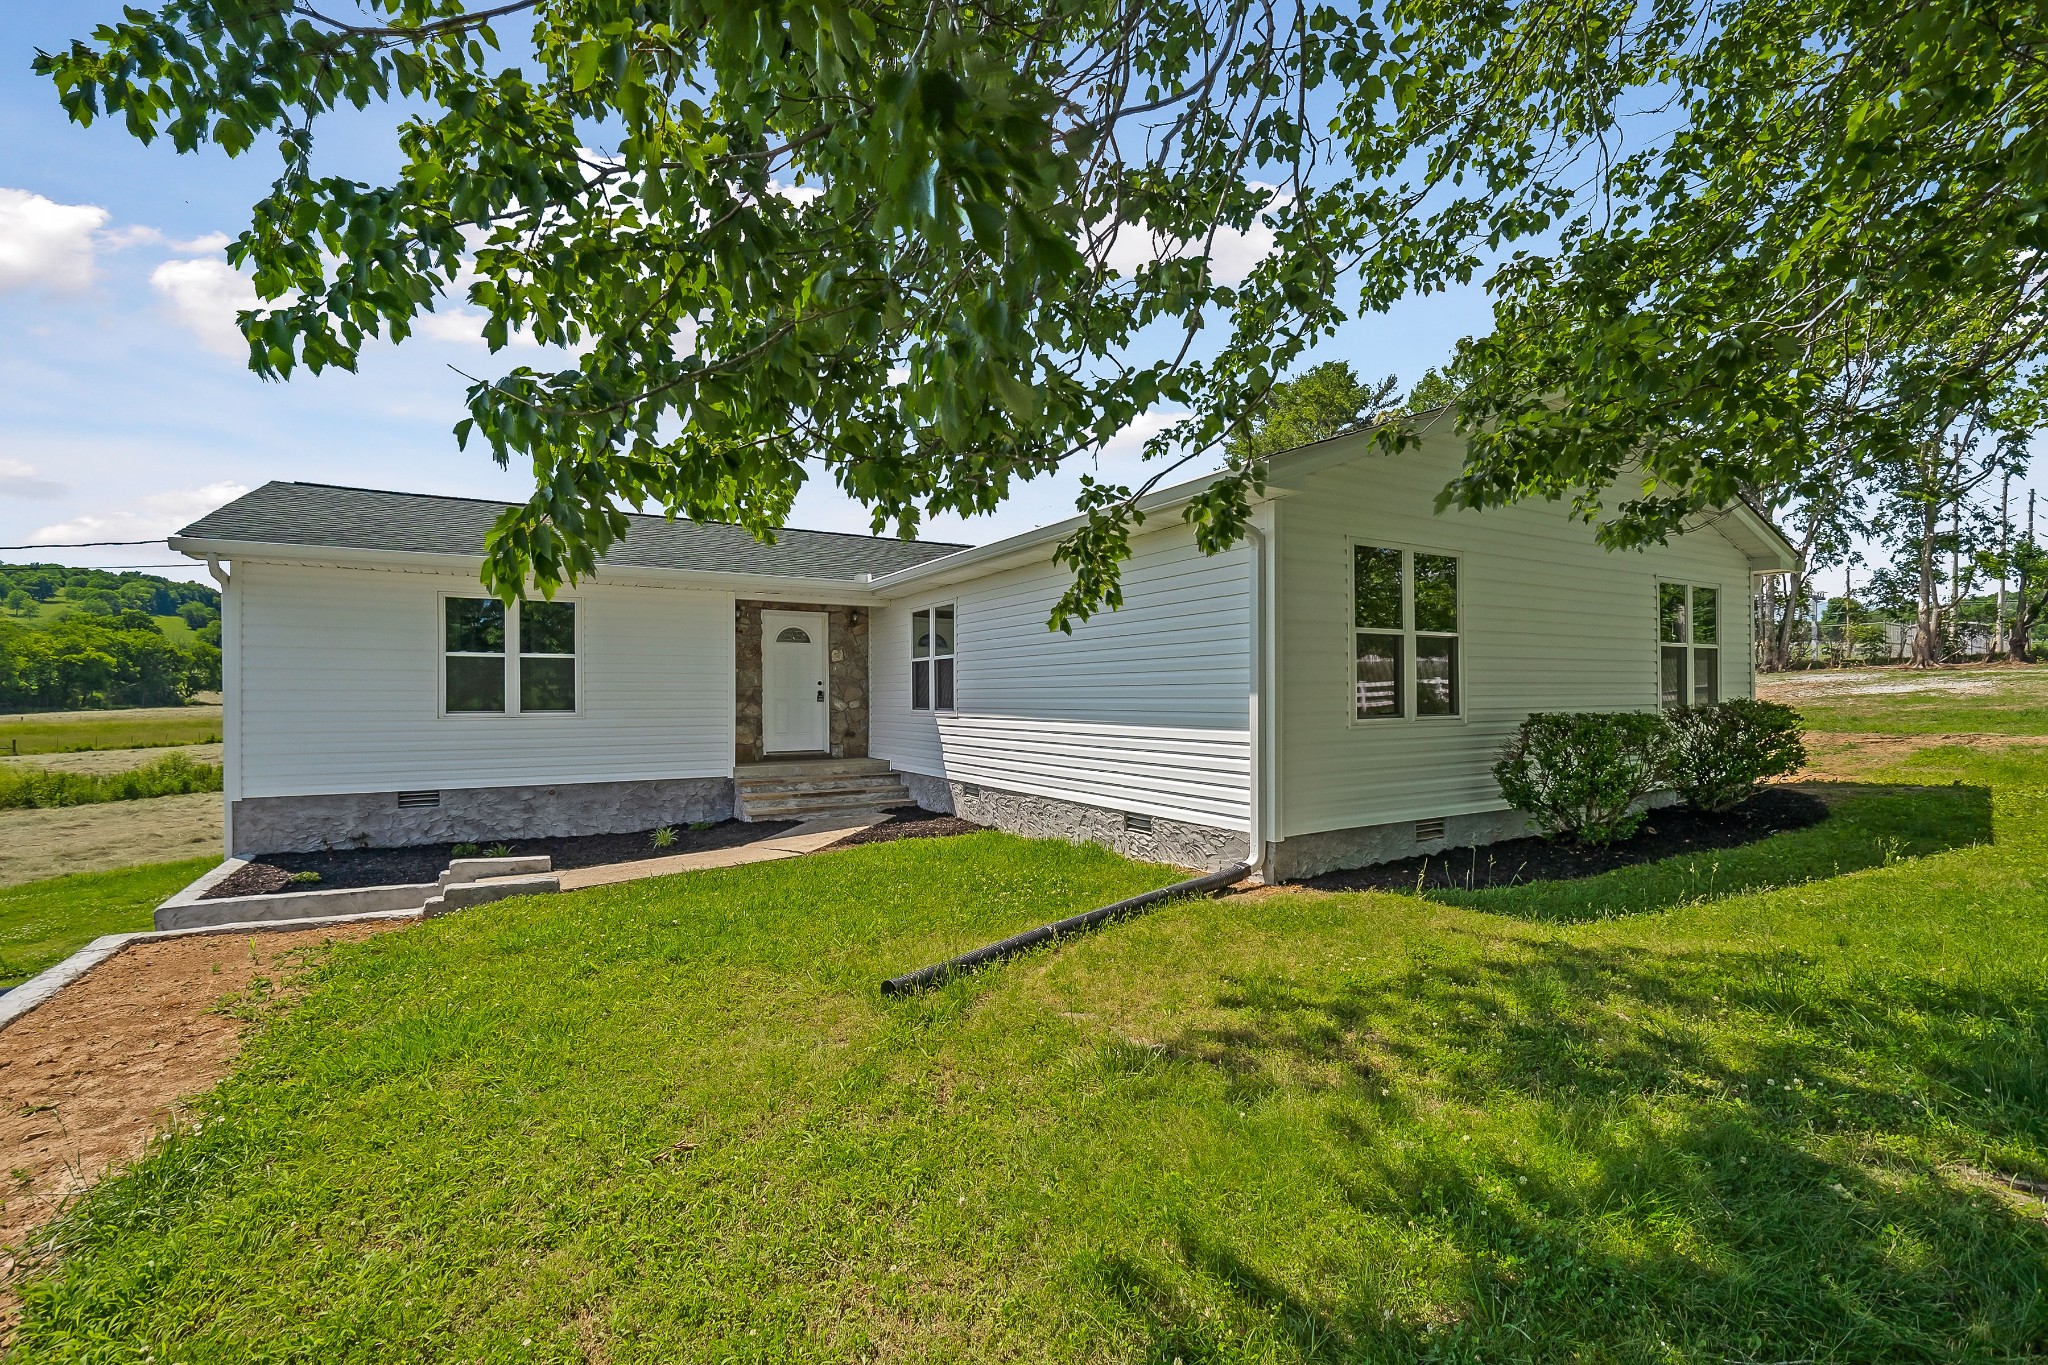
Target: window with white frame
column 931, row 659
column 1405, row 633
column 1688, row 645
column 497, row 662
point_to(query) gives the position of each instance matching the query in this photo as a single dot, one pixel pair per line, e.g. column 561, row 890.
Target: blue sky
column 126, row 408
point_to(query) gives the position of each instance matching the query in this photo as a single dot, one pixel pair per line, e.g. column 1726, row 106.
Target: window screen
column 474, row 643
column 1404, row 633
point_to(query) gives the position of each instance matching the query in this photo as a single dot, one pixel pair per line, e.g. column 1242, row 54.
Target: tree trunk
column 2021, row 628
column 1927, row 613
column 1781, row 638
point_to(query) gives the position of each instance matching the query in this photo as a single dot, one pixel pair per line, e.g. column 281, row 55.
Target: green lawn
column 1898, row 701
column 149, row 727
column 42, row 923
column 674, row 1120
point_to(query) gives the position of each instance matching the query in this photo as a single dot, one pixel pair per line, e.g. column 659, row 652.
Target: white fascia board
column 853, row 592
column 1762, row 543
column 1026, row 547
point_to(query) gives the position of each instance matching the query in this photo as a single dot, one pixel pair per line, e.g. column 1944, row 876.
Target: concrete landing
column 808, row 837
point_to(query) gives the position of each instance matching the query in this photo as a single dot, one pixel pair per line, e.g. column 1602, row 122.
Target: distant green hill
column 96, row 637
column 42, row 594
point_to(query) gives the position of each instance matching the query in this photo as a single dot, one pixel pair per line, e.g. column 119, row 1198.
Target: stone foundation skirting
column 1308, row 855
column 308, row 824
column 1204, row 848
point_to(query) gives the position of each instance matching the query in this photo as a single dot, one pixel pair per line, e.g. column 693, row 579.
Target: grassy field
column 39, row 844
column 42, row 923
column 675, row 1121
column 1968, row 699
column 148, row 727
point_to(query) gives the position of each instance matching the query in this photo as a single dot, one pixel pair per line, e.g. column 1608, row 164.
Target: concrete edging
column 44, row 985
column 189, row 910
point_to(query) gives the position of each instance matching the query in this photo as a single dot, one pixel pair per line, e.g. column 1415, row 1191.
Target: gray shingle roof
column 324, row 515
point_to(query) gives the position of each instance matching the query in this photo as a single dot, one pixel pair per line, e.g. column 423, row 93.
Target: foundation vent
column 1137, row 824
column 970, row 789
column 1429, row 831
column 418, row 800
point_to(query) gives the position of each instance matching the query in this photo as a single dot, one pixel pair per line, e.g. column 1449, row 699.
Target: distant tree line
column 82, row 638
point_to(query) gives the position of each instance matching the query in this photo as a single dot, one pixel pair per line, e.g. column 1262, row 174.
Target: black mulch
column 1667, row 833
column 350, row 867
column 909, row 822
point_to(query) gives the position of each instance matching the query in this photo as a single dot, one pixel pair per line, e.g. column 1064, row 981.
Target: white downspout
column 231, row 702
column 1260, row 702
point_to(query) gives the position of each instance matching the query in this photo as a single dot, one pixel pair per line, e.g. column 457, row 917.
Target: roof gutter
column 846, row 591
column 1021, row 548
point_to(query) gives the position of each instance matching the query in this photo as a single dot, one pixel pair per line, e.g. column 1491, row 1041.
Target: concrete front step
column 784, row 769
column 799, row 806
column 823, row 786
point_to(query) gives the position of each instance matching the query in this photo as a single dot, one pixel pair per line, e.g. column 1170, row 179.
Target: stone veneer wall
column 309, row 824
column 1307, row 855
column 1178, row 843
column 846, row 678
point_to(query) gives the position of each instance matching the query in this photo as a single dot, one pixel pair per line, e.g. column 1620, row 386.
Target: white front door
column 793, row 682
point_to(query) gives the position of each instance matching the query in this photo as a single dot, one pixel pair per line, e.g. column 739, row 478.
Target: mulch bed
column 1668, row 833
column 352, row 867
column 909, row 822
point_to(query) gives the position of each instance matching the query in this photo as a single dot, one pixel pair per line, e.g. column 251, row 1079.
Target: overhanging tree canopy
column 880, row 234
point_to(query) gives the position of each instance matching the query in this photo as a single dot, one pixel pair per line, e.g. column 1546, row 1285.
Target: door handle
column 821, row 694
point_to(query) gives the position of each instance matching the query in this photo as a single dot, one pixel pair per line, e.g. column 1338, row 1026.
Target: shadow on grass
column 1647, row 1154
column 1872, row 826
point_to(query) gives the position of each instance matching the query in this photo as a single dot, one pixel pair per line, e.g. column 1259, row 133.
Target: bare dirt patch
column 89, row 1077
column 1958, row 679
column 49, row 843
column 1837, row 756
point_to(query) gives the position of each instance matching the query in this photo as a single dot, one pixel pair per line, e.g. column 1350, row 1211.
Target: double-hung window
column 497, row 662
column 1405, row 632
column 931, row 659
column 1688, row 645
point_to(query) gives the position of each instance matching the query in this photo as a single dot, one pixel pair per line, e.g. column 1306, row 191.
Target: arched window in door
column 793, row 635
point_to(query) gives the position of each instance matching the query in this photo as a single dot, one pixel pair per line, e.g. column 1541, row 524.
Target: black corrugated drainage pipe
column 1061, row 928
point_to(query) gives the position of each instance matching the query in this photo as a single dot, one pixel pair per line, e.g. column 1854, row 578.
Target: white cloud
column 151, row 516
column 464, row 326
column 44, row 244
column 204, row 296
column 121, row 238
column 21, row 480
column 1232, row 255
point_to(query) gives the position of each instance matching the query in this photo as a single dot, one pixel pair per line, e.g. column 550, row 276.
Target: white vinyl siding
column 340, row 688
column 1143, row 709
column 1547, row 621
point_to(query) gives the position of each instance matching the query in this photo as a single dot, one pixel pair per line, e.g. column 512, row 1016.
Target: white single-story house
column 1331, row 692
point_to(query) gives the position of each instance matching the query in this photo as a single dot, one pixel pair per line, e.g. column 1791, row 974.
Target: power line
column 82, row 544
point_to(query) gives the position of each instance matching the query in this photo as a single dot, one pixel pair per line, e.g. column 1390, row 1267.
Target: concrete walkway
column 808, row 837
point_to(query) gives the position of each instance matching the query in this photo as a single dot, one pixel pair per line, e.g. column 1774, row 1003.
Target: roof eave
column 843, row 591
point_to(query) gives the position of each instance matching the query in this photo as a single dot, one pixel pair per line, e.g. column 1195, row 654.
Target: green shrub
column 1719, row 753
column 1583, row 774
column 25, row 788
